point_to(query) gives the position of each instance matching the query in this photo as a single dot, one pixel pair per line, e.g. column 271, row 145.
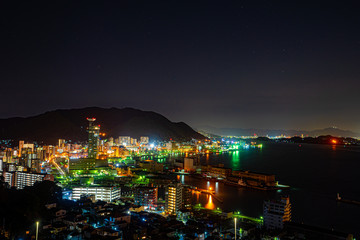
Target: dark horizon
column 238, row 64
column 197, row 128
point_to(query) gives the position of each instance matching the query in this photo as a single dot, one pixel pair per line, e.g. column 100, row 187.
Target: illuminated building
column 28, row 147
column 21, row 143
column 189, row 164
column 107, row 194
column 34, row 165
column 20, row 180
column 152, row 166
column 218, row 171
column 124, row 140
column 12, row 167
column 144, row 140
column 81, row 164
column 133, row 141
column 253, row 178
column 173, row 198
column 276, row 212
column 111, row 142
column 93, row 141
column 186, row 197
column 146, row 196
column 9, row 178
column 61, row 143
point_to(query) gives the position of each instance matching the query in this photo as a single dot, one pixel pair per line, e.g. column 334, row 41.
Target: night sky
column 262, row 64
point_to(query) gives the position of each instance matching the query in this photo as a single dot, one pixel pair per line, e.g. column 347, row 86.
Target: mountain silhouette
column 71, row 124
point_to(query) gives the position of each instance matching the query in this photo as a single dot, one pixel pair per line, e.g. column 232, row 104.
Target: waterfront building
column 93, row 141
column 103, row 193
column 146, row 196
column 217, row 171
column 151, row 166
column 257, row 178
column 186, row 197
column 189, row 164
column 276, row 212
column 173, row 198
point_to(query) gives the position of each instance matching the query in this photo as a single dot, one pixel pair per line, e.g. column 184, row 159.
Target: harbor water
column 315, row 173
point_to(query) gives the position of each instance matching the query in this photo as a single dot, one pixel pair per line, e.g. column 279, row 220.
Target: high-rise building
column 21, row 144
column 276, row 212
column 61, row 143
column 93, row 141
column 146, row 196
column 186, row 197
column 173, row 198
column 35, row 165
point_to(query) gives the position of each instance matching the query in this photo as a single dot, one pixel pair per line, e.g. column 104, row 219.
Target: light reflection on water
column 333, row 169
column 210, row 205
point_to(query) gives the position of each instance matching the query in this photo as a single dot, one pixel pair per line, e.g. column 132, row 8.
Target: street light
column 235, row 227
column 37, row 229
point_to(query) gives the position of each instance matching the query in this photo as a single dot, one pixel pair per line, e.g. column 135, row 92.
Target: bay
column 315, row 173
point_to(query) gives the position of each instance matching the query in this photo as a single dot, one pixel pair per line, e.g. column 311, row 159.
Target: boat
column 340, row 199
column 241, row 182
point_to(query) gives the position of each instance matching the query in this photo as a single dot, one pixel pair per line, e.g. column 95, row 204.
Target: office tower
column 93, row 141
column 276, row 212
column 146, row 196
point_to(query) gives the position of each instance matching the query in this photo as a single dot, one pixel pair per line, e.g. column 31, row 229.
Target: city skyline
column 258, row 64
